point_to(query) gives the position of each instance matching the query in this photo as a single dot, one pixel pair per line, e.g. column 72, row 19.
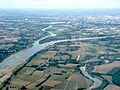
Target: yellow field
column 112, row 87
column 106, row 67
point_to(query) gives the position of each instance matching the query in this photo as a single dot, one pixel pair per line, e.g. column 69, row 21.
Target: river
column 23, row 55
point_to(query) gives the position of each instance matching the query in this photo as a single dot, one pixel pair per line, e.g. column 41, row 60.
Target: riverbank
column 19, row 58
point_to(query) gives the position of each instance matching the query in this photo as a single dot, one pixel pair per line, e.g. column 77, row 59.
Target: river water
column 96, row 81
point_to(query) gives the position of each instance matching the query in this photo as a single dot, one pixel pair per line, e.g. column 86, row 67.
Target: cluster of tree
column 21, row 44
column 116, row 78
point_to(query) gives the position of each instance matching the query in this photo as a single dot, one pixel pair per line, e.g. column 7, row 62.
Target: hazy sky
column 59, row 4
